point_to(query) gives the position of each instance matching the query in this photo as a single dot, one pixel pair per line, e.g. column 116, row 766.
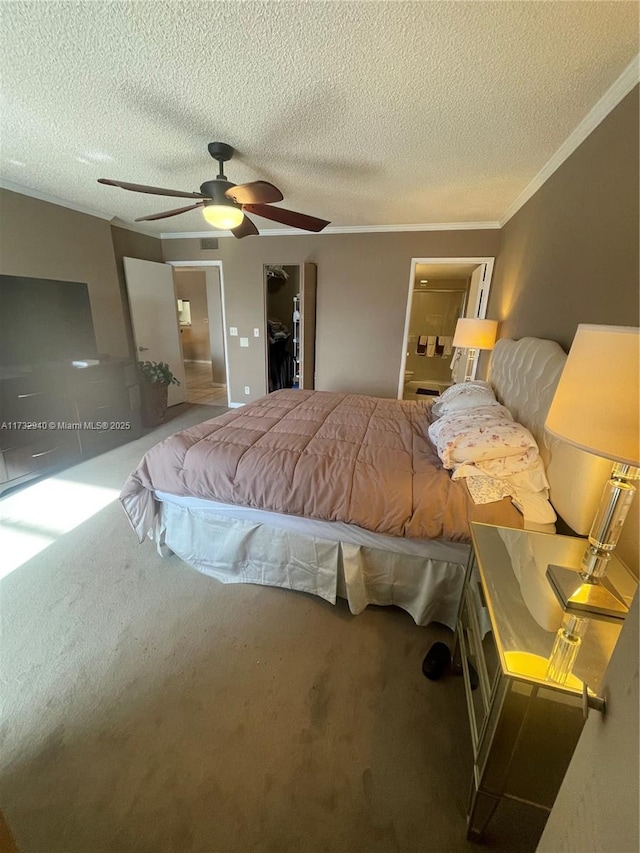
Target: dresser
column 524, row 727
column 54, row 416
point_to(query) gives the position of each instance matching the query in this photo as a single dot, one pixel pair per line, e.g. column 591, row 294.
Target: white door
column 477, row 299
column 154, row 317
column 476, row 293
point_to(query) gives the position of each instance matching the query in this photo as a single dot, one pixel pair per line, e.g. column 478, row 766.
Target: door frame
column 217, row 264
column 482, row 308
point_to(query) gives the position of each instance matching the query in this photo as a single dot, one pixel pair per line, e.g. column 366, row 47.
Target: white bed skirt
column 423, row 578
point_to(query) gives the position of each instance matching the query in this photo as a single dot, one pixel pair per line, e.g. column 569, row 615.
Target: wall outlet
column 256, row 333
column 247, row 390
column 244, row 342
column 233, row 331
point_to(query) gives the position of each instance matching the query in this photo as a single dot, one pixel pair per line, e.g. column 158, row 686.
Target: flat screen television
column 44, row 321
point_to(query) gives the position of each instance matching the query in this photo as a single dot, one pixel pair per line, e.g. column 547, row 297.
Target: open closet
column 290, row 308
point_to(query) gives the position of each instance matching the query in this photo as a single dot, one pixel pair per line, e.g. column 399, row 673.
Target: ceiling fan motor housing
column 216, row 191
column 220, row 151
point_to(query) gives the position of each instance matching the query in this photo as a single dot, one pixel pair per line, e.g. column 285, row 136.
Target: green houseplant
column 155, row 378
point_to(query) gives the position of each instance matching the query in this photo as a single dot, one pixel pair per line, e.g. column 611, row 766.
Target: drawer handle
column 44, row 453
column 106, row 406
column 590, row 700
column 33, row 394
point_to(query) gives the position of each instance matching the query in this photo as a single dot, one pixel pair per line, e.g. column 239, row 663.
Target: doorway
column 290, row 323
column 441, row 290
column 282, row 294
column 199, row 294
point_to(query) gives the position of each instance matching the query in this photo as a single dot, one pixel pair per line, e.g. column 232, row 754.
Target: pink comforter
column 335, row 457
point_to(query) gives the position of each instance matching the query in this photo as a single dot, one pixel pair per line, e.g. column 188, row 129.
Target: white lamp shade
column 596, row 404
column 473, row 333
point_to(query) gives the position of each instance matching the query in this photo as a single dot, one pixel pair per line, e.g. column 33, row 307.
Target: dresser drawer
column 27, row 400
column 100, row 390
column 48, row 450
column 100, row 440
column 107, row 410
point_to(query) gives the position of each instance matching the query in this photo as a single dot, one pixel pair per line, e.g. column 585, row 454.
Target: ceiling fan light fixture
column 225, row 216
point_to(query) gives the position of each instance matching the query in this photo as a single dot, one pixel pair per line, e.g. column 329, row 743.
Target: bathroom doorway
column 440, row 291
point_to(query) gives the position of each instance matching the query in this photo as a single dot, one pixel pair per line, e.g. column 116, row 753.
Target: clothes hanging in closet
column 281, row 361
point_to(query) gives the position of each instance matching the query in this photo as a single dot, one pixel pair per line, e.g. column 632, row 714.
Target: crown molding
column 340, row 229
column 52, row 199
column 611, row 98
column 265, row 232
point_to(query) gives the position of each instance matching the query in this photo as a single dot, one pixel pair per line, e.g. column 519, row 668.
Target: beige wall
column 43, row 240
column 363, row 280
column 570, row 254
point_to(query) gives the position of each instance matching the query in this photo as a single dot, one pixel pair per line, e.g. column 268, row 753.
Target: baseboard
column 236, row 405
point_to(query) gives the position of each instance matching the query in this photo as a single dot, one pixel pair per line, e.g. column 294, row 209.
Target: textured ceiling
column 366, row 113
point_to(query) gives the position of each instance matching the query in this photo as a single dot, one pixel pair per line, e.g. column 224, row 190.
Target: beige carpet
column 150, row 709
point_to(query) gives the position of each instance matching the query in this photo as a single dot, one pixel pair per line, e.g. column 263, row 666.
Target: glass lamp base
column 598, row 600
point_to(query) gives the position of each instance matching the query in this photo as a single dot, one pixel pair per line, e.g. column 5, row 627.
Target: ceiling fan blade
column 257, row 192
column 167, row 213
column 141, row 188
column 245, row 229
column 287, row 217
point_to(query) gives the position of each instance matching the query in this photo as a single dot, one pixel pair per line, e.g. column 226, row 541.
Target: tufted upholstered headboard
column 524, row 374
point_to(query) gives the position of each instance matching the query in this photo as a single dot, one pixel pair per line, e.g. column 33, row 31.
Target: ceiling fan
column 225, row 205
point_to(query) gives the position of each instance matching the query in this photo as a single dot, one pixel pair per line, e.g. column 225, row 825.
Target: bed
column 395, row 532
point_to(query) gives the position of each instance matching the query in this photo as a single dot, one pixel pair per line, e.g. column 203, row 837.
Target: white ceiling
column 375, row 113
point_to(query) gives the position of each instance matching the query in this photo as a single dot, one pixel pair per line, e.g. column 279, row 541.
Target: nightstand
column 524, row 728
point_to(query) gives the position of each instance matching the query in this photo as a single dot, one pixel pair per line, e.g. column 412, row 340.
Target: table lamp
column 596, row 408
column 474, row 334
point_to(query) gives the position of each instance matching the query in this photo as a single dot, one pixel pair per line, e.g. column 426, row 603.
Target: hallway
column 199, row 385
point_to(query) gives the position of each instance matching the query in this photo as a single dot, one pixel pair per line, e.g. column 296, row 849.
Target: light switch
column 233, row 331
column 247, row 390
column 256, row 333
column 244, row 342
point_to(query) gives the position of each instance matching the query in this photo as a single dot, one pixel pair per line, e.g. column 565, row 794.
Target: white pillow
column 467, row 419
column 464, row 395
column 475, row 435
